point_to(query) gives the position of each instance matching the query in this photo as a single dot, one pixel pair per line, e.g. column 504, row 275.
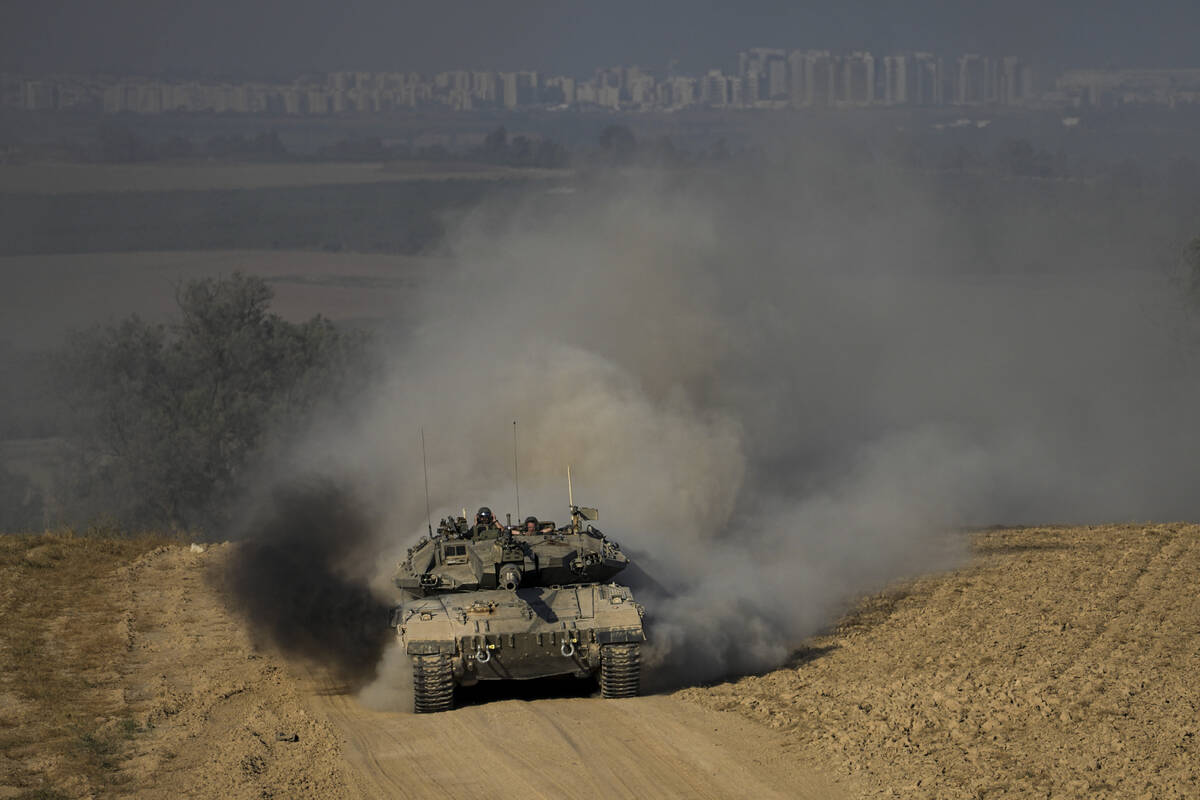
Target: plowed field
column 1064, row 662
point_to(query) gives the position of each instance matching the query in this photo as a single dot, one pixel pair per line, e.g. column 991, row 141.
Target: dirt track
column 566, row 748
column 214, row 709
column 1059, row 663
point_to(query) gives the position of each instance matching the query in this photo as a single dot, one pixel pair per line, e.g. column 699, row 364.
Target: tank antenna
column 570, row 496
column 516, row 474
column 425, row 466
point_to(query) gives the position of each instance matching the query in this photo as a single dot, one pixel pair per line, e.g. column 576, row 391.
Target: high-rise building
column 737, row 93
column 609, row 96
column 586, row 93
column 971, row 80
column 929, row 88
column 797, row 79
column 899, row 80
column 820, row 76
column 1016, row 81
column 483, row 87
column 613, row 77
column 318, row 101
column 714, row 89
column 858, row 79
column 559, row 90
column 508, row 89
column 38, row 96
column 777, row 78
column 642, row 91
column 682, row 92
column 764, row 75
column 293, row 101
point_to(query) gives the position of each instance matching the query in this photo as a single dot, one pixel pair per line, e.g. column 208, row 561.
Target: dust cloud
column 782, row 388
column 391, row 688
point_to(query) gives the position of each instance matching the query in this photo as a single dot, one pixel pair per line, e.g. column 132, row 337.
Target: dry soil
column 1060, row 663
column 1063, row 662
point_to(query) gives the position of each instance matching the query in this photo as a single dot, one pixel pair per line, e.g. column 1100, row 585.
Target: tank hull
column 534, row 632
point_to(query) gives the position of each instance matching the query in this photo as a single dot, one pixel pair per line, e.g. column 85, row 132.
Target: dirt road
column 218, row 707
column 566, row 748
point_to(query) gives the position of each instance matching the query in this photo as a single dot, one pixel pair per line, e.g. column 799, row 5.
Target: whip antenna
column 425, row 466
column 571, row 498
column 516, row 476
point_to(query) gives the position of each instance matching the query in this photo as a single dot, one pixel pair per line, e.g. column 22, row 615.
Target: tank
column 488, row 602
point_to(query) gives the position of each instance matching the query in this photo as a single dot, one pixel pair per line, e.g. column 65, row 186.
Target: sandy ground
column 222, row 719
column 567, row 748
column 1060, row 663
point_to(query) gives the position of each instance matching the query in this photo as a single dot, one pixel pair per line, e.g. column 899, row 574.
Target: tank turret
column 463, row 559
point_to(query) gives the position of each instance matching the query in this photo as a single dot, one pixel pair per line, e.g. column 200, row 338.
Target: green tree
column 618, row 144
column 550, row 154
column 496, row 143
column 165, row 421
column 522, row 151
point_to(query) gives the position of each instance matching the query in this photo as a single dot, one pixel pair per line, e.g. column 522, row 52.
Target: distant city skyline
column 268, row 39
column 765, row 79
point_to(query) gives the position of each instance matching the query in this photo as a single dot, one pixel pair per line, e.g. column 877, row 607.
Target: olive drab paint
column 486, row 602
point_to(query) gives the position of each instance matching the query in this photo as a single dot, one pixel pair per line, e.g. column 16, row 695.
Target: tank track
column 433, row 684
column 620, row 670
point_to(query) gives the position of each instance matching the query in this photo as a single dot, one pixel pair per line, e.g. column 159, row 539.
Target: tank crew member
column 485, row 522
column 531, row 526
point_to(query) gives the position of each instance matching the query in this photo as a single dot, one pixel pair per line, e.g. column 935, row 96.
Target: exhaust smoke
column 296, row 580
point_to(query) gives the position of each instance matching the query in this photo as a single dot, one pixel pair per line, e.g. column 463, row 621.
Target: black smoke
column 297, row 579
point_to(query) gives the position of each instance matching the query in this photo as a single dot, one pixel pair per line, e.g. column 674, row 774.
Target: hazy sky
column 273, row 37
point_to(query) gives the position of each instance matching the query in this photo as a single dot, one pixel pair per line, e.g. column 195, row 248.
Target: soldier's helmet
column 483, row 516
column 531, row 521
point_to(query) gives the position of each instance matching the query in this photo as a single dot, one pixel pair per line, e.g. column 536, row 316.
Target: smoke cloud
column 782, row 389
column 298, row 579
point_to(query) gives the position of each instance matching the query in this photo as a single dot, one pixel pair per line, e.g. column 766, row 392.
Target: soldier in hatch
column 485, row 524
column 531, row 526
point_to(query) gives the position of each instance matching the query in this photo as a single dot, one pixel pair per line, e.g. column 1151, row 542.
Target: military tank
column 489, row 602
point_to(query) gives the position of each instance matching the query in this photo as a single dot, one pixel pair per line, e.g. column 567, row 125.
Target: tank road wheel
column 620, row 670
column 433, row 684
